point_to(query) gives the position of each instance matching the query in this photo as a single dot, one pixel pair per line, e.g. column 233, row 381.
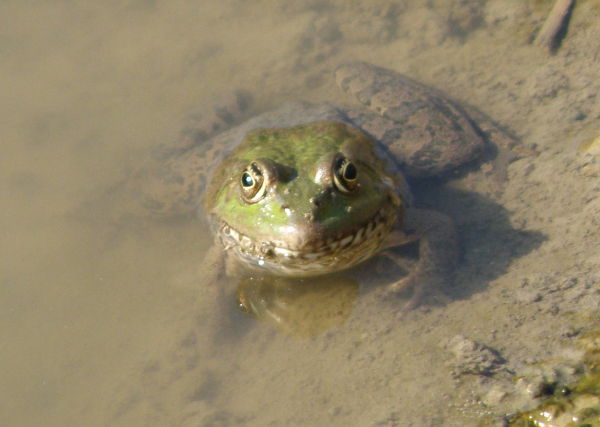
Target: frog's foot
column 396, row 239
column 438, row 253
column 422, row 284
column 401, row 262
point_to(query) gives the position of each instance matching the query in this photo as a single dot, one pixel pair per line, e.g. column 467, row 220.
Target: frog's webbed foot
column 438, row 253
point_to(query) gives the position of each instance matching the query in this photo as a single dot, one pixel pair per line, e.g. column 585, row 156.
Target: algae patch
column 575, row 405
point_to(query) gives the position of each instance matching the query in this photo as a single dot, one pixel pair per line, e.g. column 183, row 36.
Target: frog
column 308, row 189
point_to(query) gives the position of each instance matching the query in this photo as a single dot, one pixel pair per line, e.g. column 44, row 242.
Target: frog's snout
column 303, row 235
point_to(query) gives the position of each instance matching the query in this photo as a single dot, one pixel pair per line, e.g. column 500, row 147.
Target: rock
column 589, row 161
column 494, row 396
column 472, row 357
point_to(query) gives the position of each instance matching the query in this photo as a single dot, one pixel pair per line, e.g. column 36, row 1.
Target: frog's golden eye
column 345, row 175
column 253, row 184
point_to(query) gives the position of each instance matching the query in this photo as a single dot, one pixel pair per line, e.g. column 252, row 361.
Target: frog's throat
column 330, row 254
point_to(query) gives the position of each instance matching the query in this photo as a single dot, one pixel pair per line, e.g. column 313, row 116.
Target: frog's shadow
column 489, row 243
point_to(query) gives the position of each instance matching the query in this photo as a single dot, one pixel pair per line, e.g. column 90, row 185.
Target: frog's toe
column 407, row 284
column 438, row 253
column 422, row 286
column 403, row 285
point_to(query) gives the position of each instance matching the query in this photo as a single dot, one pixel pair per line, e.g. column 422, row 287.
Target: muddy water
column 84, row 85
column 107, row 323
column 87, row 88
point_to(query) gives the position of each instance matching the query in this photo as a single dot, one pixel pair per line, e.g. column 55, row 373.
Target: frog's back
column 428, row 133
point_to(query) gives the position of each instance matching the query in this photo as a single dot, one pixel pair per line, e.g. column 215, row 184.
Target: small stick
column 556, row 21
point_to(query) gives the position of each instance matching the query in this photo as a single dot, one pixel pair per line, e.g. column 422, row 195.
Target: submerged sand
column 106, row 325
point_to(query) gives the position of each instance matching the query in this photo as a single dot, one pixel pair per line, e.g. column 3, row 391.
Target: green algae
column 577, row 405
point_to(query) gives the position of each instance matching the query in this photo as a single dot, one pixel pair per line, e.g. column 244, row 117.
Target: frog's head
column 305, row 200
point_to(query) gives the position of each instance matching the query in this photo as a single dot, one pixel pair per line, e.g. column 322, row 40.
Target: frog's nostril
column 286, row 209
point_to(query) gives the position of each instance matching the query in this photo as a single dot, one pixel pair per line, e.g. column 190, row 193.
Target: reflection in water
column 299, row 307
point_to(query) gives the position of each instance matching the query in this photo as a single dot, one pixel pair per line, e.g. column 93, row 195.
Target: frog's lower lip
column 368, row 236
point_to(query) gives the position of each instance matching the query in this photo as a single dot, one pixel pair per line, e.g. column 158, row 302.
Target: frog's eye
column 253, row 183
column 345, row 175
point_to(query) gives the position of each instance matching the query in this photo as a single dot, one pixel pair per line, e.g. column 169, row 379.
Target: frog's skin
column 307, row 190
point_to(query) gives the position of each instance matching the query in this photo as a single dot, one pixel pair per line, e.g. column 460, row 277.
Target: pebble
column 472, row 357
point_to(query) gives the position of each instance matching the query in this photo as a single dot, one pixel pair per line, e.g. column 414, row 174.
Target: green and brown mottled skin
column 311, row 218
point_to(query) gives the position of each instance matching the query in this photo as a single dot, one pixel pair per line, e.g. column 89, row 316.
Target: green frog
column 307, row 190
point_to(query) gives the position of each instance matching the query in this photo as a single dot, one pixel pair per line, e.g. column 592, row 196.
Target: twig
column 552, row 30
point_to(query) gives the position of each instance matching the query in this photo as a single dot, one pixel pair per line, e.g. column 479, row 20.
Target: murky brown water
column 83, row 84
column 105, row 323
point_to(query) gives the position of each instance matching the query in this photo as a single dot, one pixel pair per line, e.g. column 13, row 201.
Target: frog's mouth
column 327, row 254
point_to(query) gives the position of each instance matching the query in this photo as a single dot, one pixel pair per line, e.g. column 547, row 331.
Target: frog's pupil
column 350, row 171
column 247, row 180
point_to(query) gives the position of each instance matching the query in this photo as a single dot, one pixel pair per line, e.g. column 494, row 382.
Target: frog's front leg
column 438, row 252
column 213, row 266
